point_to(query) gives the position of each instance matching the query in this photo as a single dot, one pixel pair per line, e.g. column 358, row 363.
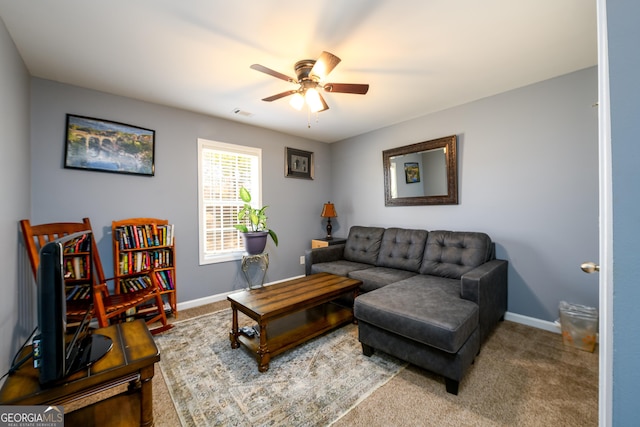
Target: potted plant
column 253, row 225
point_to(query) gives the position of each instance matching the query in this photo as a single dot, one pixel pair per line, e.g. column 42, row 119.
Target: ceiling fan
column 310, row 74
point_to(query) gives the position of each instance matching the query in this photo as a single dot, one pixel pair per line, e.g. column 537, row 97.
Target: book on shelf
column 135, row 284
column 79, row 244
column 76, row 267
column 79, row 292
column 170, row 279
column 150, row 309
column 165, row 280
column 154, row 230
column 144, row 236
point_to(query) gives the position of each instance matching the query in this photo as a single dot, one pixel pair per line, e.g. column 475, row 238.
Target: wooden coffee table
column 290, row 313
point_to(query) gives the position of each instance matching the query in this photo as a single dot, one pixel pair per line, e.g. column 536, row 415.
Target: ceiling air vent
column 242, row 112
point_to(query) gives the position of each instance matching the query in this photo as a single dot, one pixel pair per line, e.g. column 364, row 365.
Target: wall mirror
column 425, row 173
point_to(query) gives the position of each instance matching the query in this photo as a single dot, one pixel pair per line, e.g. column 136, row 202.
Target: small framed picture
column 298, row 163
column 103, row 145
column 411, row 172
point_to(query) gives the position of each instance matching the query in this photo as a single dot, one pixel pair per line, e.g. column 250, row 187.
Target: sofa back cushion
column 402, row 248
column 453, row 253
column 363, row 244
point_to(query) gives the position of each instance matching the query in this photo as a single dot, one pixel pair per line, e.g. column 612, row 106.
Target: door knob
column 589, row 267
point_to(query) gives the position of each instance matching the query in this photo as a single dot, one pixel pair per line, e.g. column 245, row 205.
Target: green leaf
column 244, row 195
column 274, row 237
column 243, row 228
column 254, row 218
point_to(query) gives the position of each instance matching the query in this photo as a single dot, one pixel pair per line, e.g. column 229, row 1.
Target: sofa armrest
column 318, row 255
column 486, row 285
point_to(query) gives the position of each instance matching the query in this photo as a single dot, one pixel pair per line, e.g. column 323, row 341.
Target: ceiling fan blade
column 324, row 104
column 358, row 89
column 279, row 95
column 271, row 72
column 324, row 65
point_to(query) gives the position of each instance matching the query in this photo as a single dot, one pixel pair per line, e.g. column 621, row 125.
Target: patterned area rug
column 313, row 384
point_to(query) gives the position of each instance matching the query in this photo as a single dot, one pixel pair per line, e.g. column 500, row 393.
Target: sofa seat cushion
column 423, row 309
column 341, row 267
column 377, row 277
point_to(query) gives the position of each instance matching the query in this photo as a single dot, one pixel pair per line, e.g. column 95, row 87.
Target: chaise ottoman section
column 423, row 321
column 427, row 314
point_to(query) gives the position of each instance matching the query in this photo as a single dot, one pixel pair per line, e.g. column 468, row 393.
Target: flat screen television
column 58, row 349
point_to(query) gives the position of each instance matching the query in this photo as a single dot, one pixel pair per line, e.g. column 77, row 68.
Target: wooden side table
column 130, row 361
column 323, row 242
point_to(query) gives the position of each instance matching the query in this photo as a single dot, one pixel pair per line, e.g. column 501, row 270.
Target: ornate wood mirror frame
column 425, row 173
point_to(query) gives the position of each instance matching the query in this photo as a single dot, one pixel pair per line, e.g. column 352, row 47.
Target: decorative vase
column 255, row 241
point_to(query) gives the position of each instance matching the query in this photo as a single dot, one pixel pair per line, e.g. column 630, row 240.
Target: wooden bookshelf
column 144, row 255
column 77, row 273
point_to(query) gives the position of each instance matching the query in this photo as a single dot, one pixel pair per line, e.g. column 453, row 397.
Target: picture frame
column 298, row 163
column 411, row 172
column 108, row 146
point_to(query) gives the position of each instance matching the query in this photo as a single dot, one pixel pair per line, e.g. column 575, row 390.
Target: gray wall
column 528, row 176
column 60, row 194
column 624, row 66
column 16, row 320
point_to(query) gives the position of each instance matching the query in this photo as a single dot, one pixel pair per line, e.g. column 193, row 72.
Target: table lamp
column 328, row 211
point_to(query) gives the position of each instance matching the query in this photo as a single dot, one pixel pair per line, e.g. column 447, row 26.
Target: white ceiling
column 419, row 56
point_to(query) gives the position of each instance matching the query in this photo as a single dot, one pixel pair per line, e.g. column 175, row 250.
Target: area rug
column 313, row 384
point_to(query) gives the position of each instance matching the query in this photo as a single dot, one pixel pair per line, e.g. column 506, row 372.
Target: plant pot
column 255, row 242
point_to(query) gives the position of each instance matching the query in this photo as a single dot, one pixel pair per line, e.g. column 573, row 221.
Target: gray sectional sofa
column 427, row 297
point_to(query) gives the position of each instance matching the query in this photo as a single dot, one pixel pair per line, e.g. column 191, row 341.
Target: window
column 222, row 170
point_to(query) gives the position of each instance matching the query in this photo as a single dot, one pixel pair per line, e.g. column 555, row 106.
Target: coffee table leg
column 263, row 351
column 233, row 334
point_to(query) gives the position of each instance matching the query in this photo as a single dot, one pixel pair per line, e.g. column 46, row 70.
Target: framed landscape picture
column 298, row 163
column 103, row 145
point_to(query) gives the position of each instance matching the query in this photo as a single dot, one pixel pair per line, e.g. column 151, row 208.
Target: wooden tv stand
column 130, row 361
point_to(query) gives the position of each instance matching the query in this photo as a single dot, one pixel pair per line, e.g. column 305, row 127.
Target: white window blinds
column 223, row 169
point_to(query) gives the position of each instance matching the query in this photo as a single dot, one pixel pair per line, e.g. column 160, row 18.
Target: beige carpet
column 522, row 377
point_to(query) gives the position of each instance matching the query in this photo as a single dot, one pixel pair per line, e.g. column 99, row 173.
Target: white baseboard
column 532, row 321
column 512, row 317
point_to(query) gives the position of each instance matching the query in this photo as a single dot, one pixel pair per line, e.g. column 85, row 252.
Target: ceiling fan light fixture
column 297, row 101
column 309, row 75
column 313, row 100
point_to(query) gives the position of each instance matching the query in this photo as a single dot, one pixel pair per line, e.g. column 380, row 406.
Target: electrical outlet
column 302, row 259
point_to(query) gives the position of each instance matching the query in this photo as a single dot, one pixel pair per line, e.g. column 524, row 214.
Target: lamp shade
column 328, row 211
column 313, row 100
column 297, row 101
